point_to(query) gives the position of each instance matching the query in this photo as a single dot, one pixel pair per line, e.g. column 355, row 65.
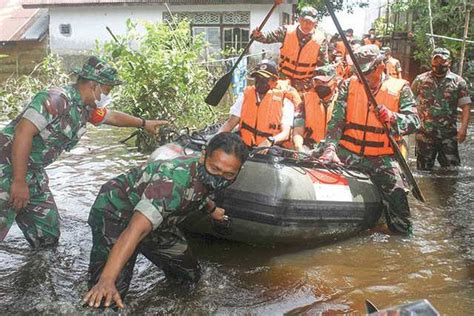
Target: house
column 75, row 25
column 23, row 38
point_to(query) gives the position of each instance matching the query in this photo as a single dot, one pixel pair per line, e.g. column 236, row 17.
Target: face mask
column 323, row 91
column 262, row 86
column 440, row 70
column 103, row 101
column 211, row 182
column 372, row 36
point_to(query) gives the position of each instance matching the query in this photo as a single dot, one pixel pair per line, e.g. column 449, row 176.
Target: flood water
column 436, row 264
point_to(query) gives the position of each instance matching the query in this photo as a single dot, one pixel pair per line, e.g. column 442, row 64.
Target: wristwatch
column 271, row 139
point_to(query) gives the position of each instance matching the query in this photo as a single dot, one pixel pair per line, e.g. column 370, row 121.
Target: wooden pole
column 431, row 25
column 467, row 9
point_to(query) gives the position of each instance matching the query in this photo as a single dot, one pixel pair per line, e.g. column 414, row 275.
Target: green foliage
column 381, row 27
column 163, row 75
column 339, row 5
column 18, row 90
column 448, row 20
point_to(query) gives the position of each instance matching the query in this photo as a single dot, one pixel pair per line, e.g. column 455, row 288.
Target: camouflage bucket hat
column 309, row 13
column 441, row 52
column 97, row 70
column 325, row 73
column 367, row 55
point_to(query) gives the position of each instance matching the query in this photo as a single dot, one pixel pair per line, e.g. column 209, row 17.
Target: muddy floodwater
column 436, row 264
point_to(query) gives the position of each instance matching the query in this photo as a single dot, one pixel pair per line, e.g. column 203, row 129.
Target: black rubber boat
column 279, row 199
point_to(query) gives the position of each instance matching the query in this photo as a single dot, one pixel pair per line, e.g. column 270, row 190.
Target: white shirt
column 288, row 111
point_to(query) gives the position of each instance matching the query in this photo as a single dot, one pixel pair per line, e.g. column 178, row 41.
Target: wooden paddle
column 415, row 189
column 220, row 88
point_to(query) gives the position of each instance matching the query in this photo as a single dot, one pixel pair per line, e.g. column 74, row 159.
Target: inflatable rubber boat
column 282, row 197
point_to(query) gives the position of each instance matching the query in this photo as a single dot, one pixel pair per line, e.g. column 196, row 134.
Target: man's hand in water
column 103, row 290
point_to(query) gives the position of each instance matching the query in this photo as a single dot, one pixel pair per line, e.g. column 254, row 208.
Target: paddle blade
column 220, row 88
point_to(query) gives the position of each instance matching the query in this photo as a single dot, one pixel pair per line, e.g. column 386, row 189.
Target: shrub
column 18, row 90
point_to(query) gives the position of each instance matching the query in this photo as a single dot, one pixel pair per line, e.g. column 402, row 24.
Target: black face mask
column 323, row 91
column 262, row 86
column 440, row 70
column 211, row 181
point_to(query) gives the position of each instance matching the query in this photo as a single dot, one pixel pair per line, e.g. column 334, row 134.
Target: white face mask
column 103, row 101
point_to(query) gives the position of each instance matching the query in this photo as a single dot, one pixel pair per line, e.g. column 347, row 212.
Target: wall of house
column 88, row 23
column 22, row 57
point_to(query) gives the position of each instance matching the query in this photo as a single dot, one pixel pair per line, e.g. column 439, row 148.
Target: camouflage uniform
column 438, row 100
column 384, row 171
column 164, row 192
column 60, row 117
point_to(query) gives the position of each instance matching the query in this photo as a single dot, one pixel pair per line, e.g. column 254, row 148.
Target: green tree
column 448, row 20
column 339, row 5
column 163, row 74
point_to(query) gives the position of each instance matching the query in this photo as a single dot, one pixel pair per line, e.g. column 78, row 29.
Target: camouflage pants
column 166, row 247
column 386, row 174
column 39, row 220
column 430, row 148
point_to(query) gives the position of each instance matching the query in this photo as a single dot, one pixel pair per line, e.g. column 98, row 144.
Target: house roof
column 70, row 3
column 16, row 22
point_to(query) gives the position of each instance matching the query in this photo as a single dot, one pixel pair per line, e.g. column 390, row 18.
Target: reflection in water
column 435, row 264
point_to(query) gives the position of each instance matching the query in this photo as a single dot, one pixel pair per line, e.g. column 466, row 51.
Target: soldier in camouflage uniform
column 139, row 212
column 439, row 93
column 52, row 122
column 355, row 130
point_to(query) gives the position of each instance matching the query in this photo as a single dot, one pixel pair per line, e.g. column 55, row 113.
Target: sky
column 360, row 20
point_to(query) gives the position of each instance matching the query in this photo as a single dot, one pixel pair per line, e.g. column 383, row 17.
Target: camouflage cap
column 97, row 70
column 266, row 69
column 309, row 13
column 441, row 52
column 367, row 55
column 325, row 73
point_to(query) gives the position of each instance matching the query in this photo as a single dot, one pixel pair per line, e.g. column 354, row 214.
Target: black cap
column 266, row 68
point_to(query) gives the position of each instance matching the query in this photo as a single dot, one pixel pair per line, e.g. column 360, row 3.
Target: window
column 65, row 29
column 235, row 37
column 212, row 34
column 223, row 30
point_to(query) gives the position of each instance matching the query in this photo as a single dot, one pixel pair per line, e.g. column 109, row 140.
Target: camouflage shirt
column 278, row 36
column 438, row 100
column 407, row 120
column 164, row 191
column 60, row 117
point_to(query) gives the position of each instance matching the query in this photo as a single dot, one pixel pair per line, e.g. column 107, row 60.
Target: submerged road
column 437, row 263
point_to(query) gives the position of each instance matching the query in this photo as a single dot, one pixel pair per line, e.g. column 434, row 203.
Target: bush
column 18, row 90
column 163, row 74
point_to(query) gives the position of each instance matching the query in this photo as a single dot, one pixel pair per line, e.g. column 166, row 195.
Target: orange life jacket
column 376, row 142
column 391, row 67
column 259, row 121
column 317, row 116
column 367, row 41
column 298, row 62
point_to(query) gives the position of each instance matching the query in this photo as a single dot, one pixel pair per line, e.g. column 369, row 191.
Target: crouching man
column 138, row 212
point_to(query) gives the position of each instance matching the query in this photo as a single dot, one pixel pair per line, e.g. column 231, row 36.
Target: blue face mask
column 211, row 181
